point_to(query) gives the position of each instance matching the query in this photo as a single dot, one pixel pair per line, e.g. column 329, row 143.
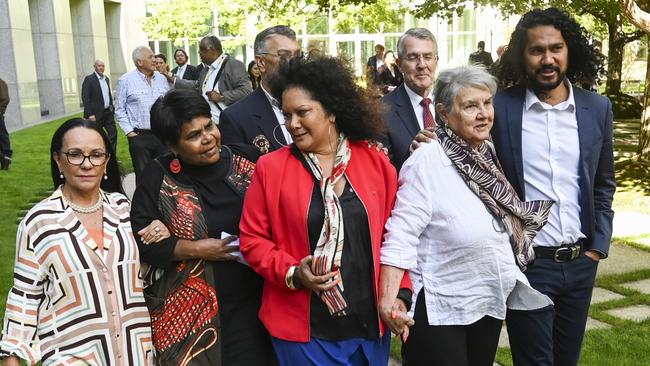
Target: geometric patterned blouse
column 72, row 303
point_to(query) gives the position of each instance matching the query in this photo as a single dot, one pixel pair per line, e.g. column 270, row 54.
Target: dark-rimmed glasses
column 78, row 158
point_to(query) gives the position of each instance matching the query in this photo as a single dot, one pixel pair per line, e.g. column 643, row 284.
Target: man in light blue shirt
column 136, row 92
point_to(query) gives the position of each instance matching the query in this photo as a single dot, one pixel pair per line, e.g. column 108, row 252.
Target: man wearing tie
column 98, row 101
column 411, row 106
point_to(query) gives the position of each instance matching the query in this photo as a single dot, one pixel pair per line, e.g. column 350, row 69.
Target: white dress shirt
column 551, row 155
column 208, row 84
column 416, row 99
column 134, row 96
column 445, row 236
column 275, row 105
column 105, row 93
column 180, row 71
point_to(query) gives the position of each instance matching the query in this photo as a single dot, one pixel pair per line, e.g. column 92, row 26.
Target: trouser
column 553, row 335
column 450, row 345
column 143, row 148
column 107, row 122
column 5, row 144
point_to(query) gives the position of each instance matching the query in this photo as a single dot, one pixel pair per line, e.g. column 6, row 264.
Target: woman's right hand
column 11, row 361
column 303, row 277
column 217, row 249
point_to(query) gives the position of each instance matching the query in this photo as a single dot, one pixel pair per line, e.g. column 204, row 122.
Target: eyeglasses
column 416, row 57
column 285, row 54
column 78, row 158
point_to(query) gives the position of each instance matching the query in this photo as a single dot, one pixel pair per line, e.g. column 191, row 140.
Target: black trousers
column 5, row 145
column 450, row 345
column 143, row 148
column 107, row 122
column 552, row 336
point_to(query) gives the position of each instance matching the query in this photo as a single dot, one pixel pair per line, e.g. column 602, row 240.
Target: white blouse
column 445, row 236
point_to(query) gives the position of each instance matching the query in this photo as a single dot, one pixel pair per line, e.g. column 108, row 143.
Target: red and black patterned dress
column 203, row 313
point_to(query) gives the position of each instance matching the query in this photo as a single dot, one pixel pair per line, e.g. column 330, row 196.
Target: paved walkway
column 621, row 259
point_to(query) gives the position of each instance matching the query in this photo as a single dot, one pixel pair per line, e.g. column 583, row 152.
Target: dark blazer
column 92, row 98
column 402, row 125
column 251, row 121
column 191, row 72
column 596, row 165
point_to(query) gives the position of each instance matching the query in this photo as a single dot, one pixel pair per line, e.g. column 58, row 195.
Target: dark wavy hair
column 330, row 81
column 172, row 110
column 114, row 181
column 585, row 63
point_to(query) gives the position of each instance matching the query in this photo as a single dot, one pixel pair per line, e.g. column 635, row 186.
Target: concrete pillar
column 89, row 34
column 17, row 66
column 55, row 56
column 124, row 33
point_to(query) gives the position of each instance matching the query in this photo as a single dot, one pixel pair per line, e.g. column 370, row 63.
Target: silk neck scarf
column 327, row 256
column 482, row 173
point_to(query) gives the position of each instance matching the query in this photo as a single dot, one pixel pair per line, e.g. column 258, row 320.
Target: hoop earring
column 276, row 138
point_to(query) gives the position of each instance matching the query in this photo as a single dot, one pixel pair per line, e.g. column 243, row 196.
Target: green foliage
column 625, row 106
column 178, row 20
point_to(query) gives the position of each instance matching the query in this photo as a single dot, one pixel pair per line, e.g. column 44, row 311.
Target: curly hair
column 330, row 81
column 585, row 63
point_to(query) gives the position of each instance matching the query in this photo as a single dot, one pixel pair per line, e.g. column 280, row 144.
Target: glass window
column 317, row 47
column 152, row 45
column 194, row 53
column 346, row 50
column 391, row 43
column 367, row 50
column 422, row 22
column 467, row 22
column 318, row 25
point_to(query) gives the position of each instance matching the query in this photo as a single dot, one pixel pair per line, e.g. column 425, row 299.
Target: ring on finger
column 156, row 229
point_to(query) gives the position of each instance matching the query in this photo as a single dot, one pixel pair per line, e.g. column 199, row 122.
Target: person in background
column 222, row 82
column 390, row 77
column 373, row 65
column 197, row 193
column 254, row 74
column 135, row 93
column 461, row 231
column 77, row 291
column 5, row 144
column 161, row 63
column 313, row 220
column 481, row 56
column 98, row 101
column 184, row 70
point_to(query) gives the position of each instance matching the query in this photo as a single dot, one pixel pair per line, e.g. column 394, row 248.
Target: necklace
column 85, row 210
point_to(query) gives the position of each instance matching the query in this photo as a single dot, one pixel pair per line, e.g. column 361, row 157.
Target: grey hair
column 419, row 33
column 138, row 54
column 259, row 46
column 450, row 82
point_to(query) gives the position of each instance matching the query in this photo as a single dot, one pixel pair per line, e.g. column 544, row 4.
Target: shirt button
column 117, row 335
column 113, row 313
column 110, row 292
column 119, row 355
column 104, row 270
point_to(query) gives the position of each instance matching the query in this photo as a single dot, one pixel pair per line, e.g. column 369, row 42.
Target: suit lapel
column 267, row 121
column 515, row 111
column 405, row 111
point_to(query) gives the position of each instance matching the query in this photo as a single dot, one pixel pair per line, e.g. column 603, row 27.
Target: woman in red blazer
column 314, row 217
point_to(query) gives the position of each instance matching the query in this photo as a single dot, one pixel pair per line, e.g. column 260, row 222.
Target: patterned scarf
column 483, row 174
column 327, row 256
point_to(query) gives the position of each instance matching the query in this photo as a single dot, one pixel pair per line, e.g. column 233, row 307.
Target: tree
column 608, row 12
column 641, row 19
column 178, row 20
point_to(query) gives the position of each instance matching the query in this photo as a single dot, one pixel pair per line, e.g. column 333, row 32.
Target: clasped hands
column 394, row 314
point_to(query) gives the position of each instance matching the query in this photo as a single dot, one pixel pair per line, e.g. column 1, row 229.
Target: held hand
column 378, row 146
column 424, row 136
column 92, row 118
column 394, row 315
column 303, row 277
column 217, row 249
column 154, row 232
column 214, row 96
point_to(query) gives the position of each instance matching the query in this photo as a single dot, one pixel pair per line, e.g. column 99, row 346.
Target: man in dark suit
column 222, row 82
column 481, row 56
column 554, row 141
column 373, row 65
column 184, row 70
column 257, row 119
column 98, row 101
column 411, row 106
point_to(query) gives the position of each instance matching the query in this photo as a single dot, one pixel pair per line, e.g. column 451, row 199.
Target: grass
column 28, row 181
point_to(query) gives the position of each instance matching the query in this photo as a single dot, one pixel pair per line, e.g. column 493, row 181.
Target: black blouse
column 356, row 270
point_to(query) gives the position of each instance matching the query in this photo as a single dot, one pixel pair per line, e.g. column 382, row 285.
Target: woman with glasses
column 202, row 296
column 77, row 294
column 314, row 217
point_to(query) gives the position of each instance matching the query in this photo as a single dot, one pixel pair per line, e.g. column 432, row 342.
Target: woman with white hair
column 461, row 231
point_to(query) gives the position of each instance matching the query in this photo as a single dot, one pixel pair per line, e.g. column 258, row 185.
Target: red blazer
column 274, row 235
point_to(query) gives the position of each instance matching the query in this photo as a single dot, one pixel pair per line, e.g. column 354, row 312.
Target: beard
column 543, row 86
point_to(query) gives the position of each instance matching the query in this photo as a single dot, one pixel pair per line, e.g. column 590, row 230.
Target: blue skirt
column 319, row 352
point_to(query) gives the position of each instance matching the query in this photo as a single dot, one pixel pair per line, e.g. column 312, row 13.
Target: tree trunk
column 644, row 133
column 614, row 58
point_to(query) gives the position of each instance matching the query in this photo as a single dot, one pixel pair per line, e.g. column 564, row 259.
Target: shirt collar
column 274, row 102
column 415, row 97
column 99, row 77
column 144, row 77
column 218, row 61
column 568, row 104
